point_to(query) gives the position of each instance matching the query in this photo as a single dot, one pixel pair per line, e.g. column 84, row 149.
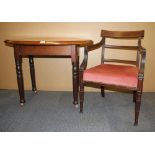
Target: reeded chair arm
column 86, row 50
column 142, row 63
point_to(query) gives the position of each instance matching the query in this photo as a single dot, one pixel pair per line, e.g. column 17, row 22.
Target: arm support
column 142, row 63
column 85, row 60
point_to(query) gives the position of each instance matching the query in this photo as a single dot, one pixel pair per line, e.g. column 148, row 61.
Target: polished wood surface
column 139, row 63
column 49, row 41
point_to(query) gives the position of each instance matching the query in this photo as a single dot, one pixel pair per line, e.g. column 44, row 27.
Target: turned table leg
column 32, row 73
column 18, row 61
column 75, row 74
column 75, row 84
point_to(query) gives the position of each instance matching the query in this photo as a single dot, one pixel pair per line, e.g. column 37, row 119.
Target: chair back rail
column 121, row 61
column 122, row 47
column 122, row 34
column 138, row 35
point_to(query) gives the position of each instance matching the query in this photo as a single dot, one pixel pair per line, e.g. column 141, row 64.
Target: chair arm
column 86, row 50
column 142, row 63
column 96, row 46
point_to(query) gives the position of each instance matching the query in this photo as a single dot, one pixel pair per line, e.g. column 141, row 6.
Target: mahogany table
column 49, row 47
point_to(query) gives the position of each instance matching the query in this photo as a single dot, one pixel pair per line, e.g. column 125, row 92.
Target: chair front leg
column 138, row 97
column 140, row 85
column 81, row 94
column 137, row 106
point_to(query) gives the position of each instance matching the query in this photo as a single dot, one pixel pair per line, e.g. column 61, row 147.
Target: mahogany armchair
column 109, row 74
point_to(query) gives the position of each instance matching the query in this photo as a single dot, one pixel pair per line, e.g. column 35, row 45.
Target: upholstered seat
column 117, row 75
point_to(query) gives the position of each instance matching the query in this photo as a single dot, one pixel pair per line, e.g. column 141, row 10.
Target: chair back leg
column 134, row 96
column 102, row 91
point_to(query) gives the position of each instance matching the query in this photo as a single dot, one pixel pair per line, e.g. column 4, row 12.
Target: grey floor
column 53, row 111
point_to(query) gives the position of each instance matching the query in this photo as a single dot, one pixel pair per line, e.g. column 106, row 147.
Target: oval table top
column 49, row 41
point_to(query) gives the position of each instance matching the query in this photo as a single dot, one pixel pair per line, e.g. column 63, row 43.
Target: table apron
column 46, row 50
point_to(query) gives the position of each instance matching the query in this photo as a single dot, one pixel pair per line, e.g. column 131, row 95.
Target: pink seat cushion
column 118, row 75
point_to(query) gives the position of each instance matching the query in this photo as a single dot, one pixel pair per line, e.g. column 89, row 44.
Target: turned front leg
column 32, row 73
